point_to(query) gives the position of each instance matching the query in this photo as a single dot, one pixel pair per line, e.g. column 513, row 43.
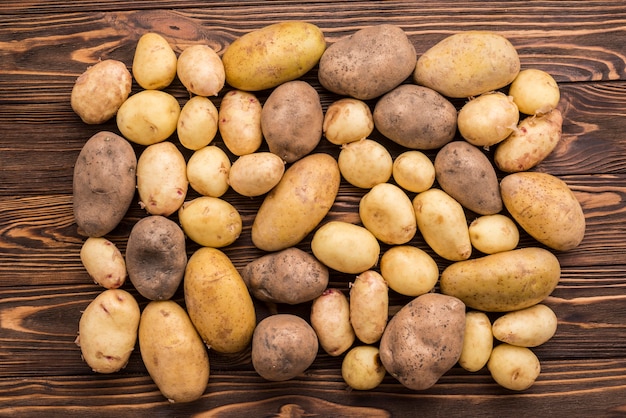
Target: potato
column 416, row 117
column 529, row 327
column 361, row 368
column 104, row 262
column 423, row 340
column 387, row 212
column 477, row 342
column 283, row 346
column 369, row 306
column 365, row 163
column 161, row 179
column 210, row 221
column 292, row 119
column 273, row 55
column 239, row 122
column 256, row 174
column 345, row 247
column 330, row 318
column 104, row 183
column 347, row 120
column 502, row 282
column 488, row 119
column 208, row 170
column 535, row 91
column 173, row 352
column 107, row 330
column 545, row 207
column 466, row 174
column 218, row 301
column 201, row 70
column 468, row 64
column 148, row 117
column 533, row 140
column 368, row 63
column 156, row 257
column 409, row 270
column 99, row 92
column 154, row 62
column 289, row 276
column 297, row 204
column 492, row 234
column 413, row 171
column 197, row 123
column 441, row 221
column 514, row 368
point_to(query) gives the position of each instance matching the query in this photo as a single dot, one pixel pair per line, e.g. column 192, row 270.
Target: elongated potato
column 529, row 327
column 297, row 204
column 369, row 306
column 505, row 281
column 477, row 342
column 386, row 211
column 330, row 318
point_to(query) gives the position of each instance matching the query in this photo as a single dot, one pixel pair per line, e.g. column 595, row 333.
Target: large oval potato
column 330, row 318
column 468, row 64
column 103, row 184
column 502, row 282
column 297, row 204
column 386, row 211
column 210, row 221
column 273, row 55
column 154, row 62
column 369, row 306
column 545, row 207
column 148, row 117
column 173, row 352
column 218, row 301
column 368, row 63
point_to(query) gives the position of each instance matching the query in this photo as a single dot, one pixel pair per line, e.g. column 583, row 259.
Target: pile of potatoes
column 484, row 309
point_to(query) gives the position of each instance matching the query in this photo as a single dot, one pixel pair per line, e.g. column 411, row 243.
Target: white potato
column 362, row 369
column 330, row 318
column 365, row 163
column 535, row 91
column 492, row 234
column 201, row 70
column 210, row 221
column 104, row 262
column 477, row 342
column 154, row 62
column 347, row 120
column 386, row 211
column 369, row 306
column 148, row 117
column 409, row 270
column 240, row 122
column 529, row 327
column 413, row 171
column 197, row 123
column 256, row 174
column 513, row 367
column 207, row 170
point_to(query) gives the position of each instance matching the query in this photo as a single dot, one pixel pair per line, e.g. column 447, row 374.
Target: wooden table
column 45, row 45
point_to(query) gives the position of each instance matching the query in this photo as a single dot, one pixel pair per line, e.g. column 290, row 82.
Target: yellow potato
column 413, row 171
column 161, row 178
column 361, row 368
column 468, row 64
column 477, row 343
column 218, row 301
column 208, row 170
column 104, row 262
column 240, row 122
column 488, row 119
column 369, row 306
column 345, row 247
column 512, row 367
column 535, row 91
column 148, row 117
column 529, row 327
column 256, row 174
column 503, row 282
column 441, row 221
column 273, row 55
column 197, row 123
column 297, row 204
column 107, row 330
column 173, row 352
column 330, row 318
column 409, row 270
column 491, row 234
column 365, row 163
column 347, row 120
column 545, row 207
column 154, row 62
column 201, row 70
column 210, row 221
column 386, row 211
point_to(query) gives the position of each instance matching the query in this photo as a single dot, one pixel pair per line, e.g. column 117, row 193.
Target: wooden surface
column 45, row 45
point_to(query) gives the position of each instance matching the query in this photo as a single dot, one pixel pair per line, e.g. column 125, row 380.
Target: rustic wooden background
column 45, row 45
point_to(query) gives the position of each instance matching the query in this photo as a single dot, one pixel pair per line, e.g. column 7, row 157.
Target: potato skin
column 104, row 183
column 368, row 63
column 156, row 257
column 297, row 204
column 330, row 318
column 173, row 352
column 273, row 55
column 218, row 301
column 423, row 340
column 502, row 282
column 545, row 207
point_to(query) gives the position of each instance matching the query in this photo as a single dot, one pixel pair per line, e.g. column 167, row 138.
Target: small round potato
column 256, row 174
column 414, row 171
column 197, row 123
column 477, row 343
column 154, row 62
column 535, row 91
column 210, row 221
column 492, row 234
column 148, row 117
column 512, row 367
column 240, row 122
column 207, row 170
column 528, row 327
column 365, row 163
column 386, row 211
column 347, row 120
column 104, row 262
column 409, row 270
column 330, row 318
column 201, row 70
column 362, row 369
column 488, row 119
column 369, row 306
